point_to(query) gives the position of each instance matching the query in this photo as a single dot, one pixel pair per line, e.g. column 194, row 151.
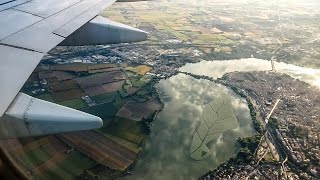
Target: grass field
column 120, row 102
column 126, row 129
column 102, row 110
column 141, row 70
column 139, row 82
column 133, row 147
column 102, row 98
column 268, row 157
column 73, row 165
column 27, row 140
column 46, row 97
column 73, row 103
column 123, row 92
column 179, row 35
column 34, row 157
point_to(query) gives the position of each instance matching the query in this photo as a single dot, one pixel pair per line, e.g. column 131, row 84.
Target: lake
column 167, row 150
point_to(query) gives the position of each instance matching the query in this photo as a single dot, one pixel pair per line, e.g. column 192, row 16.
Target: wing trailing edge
column 16, row 66
column 29, row 116
column 104, row 31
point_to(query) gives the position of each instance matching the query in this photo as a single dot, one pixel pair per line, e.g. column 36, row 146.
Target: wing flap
column 9, row 19
column 39, row 37
column 6, row 4
column 46, row 8
column 16, row 66
column 75, row 24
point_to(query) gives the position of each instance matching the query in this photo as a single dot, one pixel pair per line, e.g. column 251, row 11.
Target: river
column 217, row 69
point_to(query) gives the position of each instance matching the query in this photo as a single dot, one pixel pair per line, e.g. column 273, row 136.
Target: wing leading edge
column 65, row 22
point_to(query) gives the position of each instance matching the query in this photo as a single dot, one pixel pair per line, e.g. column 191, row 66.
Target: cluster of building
column 295, row 132
column 163, row 65
column 233, row 172
column 247, row 172
column 302, row 151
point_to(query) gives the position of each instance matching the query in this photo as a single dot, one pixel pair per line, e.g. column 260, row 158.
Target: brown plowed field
column 101, row 66
column 104, row 70
column 94, row 91
column 101, row 149
column 99, row 79
column 16, row 148
column 103, row 89
column 111, row 87
column 75, row 67
column 67, row 95
column 62, row 76
column 54, row 146
column 11, row 145
column 136, row 111
column 65, row 85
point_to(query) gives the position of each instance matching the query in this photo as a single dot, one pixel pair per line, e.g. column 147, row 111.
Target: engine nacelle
column 29, row 116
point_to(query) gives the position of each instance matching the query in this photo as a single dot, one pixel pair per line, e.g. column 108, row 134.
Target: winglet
column 104, row 31
column 29, row 116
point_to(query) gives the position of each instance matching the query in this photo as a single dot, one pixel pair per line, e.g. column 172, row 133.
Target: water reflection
column 217, row 69
column 166, row 154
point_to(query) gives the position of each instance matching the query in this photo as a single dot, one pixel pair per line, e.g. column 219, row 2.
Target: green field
column 139, row 81
column 34, row 158
column 123, row 92
column 74, row 103
column 70, row 167
column 132, row 146
column 27, row 140
column 126, row 129
column 120, row 102
column 103, row 98
column 46, row 97
column 102, row 110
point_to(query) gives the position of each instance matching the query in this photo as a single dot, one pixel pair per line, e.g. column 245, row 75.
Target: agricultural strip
column 136, row 111
column 101, row 149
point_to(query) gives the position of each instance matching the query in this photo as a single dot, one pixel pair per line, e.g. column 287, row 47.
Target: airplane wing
column 30, row 29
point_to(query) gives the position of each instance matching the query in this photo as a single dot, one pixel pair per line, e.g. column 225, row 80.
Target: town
column 290, row 148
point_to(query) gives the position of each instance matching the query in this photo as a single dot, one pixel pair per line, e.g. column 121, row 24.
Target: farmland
column 104, row 90
column 101, row 149
column 141, row 70
column 137, row 111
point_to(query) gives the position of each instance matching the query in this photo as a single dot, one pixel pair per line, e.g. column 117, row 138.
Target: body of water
column 167, row 150
column 217, row 69
column 166, row 154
